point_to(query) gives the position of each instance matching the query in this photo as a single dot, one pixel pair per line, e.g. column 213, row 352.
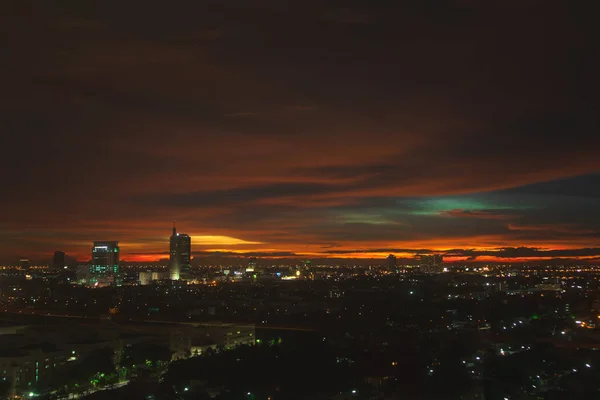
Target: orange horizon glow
column 249, row 249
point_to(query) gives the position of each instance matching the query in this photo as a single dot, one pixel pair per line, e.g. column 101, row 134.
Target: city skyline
column 330, row 132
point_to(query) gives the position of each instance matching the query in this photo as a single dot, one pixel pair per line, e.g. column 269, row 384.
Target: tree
column 97, row 362
column 94, row 365
column 5, row 387
column 144, row 353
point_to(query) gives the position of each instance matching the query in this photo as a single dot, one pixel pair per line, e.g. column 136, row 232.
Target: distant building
column 24, row 263
column 58, row 260
column 391, row 263
column 158, row 276
column 192, row 341
column 83, row 274
column 145, row 278
column 105, row 263
column 33, row 353
column 180, row 254
column 432, row 263
column 251, row 265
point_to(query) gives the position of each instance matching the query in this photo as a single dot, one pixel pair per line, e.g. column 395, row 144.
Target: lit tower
column 391, row 263
column 105, row 262
column 179, row 255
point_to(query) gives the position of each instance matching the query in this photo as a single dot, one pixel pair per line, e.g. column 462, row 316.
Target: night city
column 299, row 200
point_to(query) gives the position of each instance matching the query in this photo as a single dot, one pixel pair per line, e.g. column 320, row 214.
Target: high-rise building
column 432, row 263
column 159, row 276
column 58, row 260
column 180, row 254
column 25, row 264
column 105, row 262
column 145, row 277
column 391, row 263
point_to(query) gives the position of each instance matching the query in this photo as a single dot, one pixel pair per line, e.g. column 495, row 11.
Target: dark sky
column 317, row 128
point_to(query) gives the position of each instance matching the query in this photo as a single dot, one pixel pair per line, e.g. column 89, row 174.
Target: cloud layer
column 311, row 129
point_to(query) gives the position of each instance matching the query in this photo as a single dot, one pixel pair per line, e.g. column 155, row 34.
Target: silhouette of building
column 58, row 260
column 432, row 263
column 391, row 263
column 180, row 252
column 24, row 263
column 105, row 263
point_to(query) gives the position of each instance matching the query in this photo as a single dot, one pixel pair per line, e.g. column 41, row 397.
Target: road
column 72, row 396
column 33, row 312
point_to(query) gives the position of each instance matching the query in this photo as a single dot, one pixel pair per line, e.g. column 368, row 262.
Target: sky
column 313, row 129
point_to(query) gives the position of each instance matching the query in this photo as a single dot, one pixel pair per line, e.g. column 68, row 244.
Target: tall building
column 391, row 263
column 145, row 277
column 432, row 263
column 25, row 264
column 180, row 253
column 105, row 263
column 58, row 260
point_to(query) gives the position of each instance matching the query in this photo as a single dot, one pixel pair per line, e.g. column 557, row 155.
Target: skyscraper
column 391, row 263
column 180, row 252
column 432, row 263
column 25, row 264
column 58, row 260
column 105, row 262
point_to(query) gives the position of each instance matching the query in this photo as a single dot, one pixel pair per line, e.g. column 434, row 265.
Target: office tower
column 58, row 260
column 24, row 263
column 159, row 276
column 180, row 252
column 145, row 278
column 105, row 263
column 391, row 263
column 252, row 265
column 432, row 263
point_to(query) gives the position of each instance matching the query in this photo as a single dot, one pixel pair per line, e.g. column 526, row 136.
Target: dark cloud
column 226, row 254
column 581, row 186
column 479, row 214
column 247, row 254
column 382, row 250
column 232, row 197
column 526, row 252
column 298, row 124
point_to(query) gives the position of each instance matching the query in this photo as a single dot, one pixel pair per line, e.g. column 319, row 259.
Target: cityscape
column 316, row 200
column 178, row 329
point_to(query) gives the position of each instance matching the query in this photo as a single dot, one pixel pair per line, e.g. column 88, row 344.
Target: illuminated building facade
column 432, row 263
column 180, row 253
column 145, row 278
column 105, row 263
